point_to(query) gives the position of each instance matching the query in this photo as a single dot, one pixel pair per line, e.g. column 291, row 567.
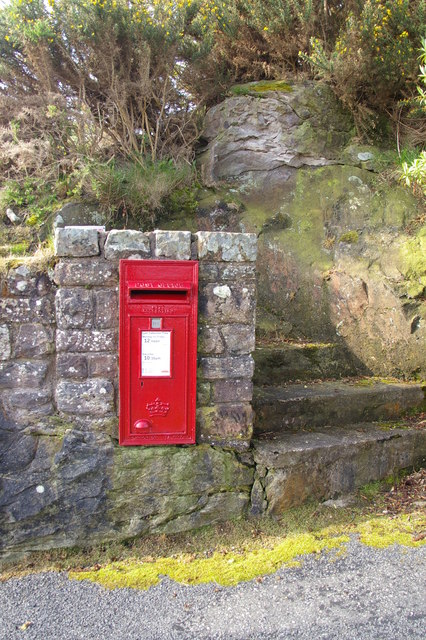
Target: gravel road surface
column 366, row 594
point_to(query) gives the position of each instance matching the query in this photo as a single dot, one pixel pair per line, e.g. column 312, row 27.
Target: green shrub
column 413, row 170
column 373, row 61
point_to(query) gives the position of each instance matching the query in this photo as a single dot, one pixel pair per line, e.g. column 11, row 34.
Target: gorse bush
column 91, row 88
column 98, row 81
column 373, row 61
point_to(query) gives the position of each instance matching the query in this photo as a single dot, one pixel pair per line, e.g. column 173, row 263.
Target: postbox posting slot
column 152, row 295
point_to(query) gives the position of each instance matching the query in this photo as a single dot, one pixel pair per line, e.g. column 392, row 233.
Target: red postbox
column 158, row 351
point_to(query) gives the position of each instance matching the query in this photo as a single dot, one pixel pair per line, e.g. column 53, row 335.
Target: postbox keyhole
column 141, row 383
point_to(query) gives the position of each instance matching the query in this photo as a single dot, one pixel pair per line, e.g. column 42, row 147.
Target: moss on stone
column 260, row 88
column 413, row 263
column 350, row 237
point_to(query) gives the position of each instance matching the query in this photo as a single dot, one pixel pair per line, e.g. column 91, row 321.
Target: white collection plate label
column 156, row 353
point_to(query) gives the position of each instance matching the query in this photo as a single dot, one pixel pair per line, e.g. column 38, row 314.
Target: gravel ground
column 366, row 594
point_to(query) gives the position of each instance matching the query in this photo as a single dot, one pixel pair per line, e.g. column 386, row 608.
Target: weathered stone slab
column 106, row 308
column 92, row 397
column 86, row 341
column 224, row 303
column 174, row 245
column 239, row 338
column 231, row 391
column 224, row 368
column 86, row 272
column 4, row 342
column 22, row 310
column 127, row 244
column 77, row 241
column 73, row 366
column 226, row 247
column 333, row 403
column 33, row 340
column 23, row 374
column 74, row 308
column 232, row 272
column 296, row 467
column 225, row 422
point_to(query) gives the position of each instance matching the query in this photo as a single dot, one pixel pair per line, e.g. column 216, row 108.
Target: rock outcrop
column 341, row 249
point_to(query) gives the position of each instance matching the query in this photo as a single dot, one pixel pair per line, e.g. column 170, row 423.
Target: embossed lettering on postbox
column 158, row 351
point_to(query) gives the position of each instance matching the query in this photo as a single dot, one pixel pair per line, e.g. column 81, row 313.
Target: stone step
column 295, row 467
column 302, row 361
column 312, row 405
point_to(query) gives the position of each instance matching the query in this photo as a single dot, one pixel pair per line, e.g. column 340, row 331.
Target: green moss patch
column 230, row 568
column 383, row 532
column 226, row 569
column 350, row 237
column 260, row 88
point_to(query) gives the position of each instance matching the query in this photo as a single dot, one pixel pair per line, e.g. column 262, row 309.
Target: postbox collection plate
column 158, row 351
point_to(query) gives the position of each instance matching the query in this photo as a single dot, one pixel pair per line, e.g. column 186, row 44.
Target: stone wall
column 64, row 477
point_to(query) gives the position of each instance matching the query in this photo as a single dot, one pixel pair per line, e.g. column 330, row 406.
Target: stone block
column 210, row 340
column 203, row 393
column 24, row 405
column 23, row 282
column 106, row 308
column 4, row 342
column 73, row 366
column 92, row 397
column 175, row 245
column 22, row 310
column 103, row 364
column 74, row 308
column 226, row 247
column 231, row 391
column 225, row 422
column 239, row 338
column 77, row 214
column 33, row 340
column 219, row 272
column 127, row 244
column 224, row 303
column 86, row 341
column 77, row 241
column 20, row 281
column 258, row 502
column 322, row 464
column 15, row 375
column 226, row 368
column 141, row 473
column 88, row 272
